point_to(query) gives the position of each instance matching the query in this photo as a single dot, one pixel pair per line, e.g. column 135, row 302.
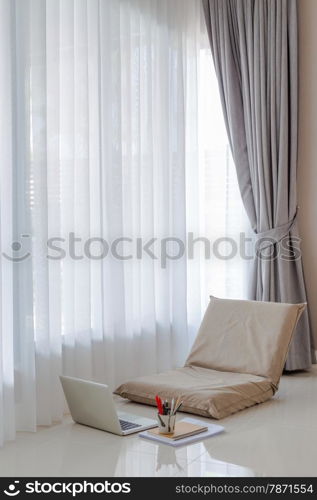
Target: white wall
column 307, row 167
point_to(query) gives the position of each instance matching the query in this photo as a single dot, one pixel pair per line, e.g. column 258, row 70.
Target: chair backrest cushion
column 245, row 336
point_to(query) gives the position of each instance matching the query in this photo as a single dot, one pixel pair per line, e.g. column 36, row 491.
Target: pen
column 172, row 406
column 159, row 405
column 178, row 407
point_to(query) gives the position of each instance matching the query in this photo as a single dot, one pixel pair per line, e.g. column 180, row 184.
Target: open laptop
column 92, row 404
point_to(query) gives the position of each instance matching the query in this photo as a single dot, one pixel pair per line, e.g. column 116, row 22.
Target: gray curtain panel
column 254, row 46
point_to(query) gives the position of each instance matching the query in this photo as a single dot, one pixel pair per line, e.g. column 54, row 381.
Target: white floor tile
column 277, row 438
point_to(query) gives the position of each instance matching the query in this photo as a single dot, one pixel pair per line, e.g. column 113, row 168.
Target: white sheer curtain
column 7, row 415
column 105, row 136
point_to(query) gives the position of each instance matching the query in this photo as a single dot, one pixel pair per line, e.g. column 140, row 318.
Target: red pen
column 159, row 405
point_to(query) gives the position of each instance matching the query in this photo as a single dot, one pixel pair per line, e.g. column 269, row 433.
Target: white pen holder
column 166, row 423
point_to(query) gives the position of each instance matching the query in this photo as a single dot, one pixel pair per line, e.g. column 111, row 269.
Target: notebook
column 212, row 430
column 183, row 429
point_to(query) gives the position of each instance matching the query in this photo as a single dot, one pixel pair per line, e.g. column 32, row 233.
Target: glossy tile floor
column 277, row 438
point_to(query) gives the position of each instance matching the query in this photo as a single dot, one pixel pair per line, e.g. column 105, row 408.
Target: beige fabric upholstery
column 245, row 336
column 204, row 392
column 236, row 360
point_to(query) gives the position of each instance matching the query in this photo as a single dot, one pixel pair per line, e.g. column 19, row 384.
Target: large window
column 223, row 217
column 114, row 161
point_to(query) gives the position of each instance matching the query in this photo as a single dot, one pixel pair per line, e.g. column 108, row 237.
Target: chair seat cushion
column 205, row 392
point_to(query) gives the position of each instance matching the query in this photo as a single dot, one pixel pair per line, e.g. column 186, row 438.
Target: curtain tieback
column 274, row 235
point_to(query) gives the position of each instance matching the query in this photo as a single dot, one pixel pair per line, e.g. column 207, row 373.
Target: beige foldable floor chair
column 236, row 361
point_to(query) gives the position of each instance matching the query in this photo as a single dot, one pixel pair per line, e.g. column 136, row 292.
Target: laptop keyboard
column 126, row 426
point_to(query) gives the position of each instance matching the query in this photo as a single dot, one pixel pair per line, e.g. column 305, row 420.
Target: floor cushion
column 205, row 392
column 236, row 361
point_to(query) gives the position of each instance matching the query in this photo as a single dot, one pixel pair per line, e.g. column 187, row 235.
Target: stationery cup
column 166, row 423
